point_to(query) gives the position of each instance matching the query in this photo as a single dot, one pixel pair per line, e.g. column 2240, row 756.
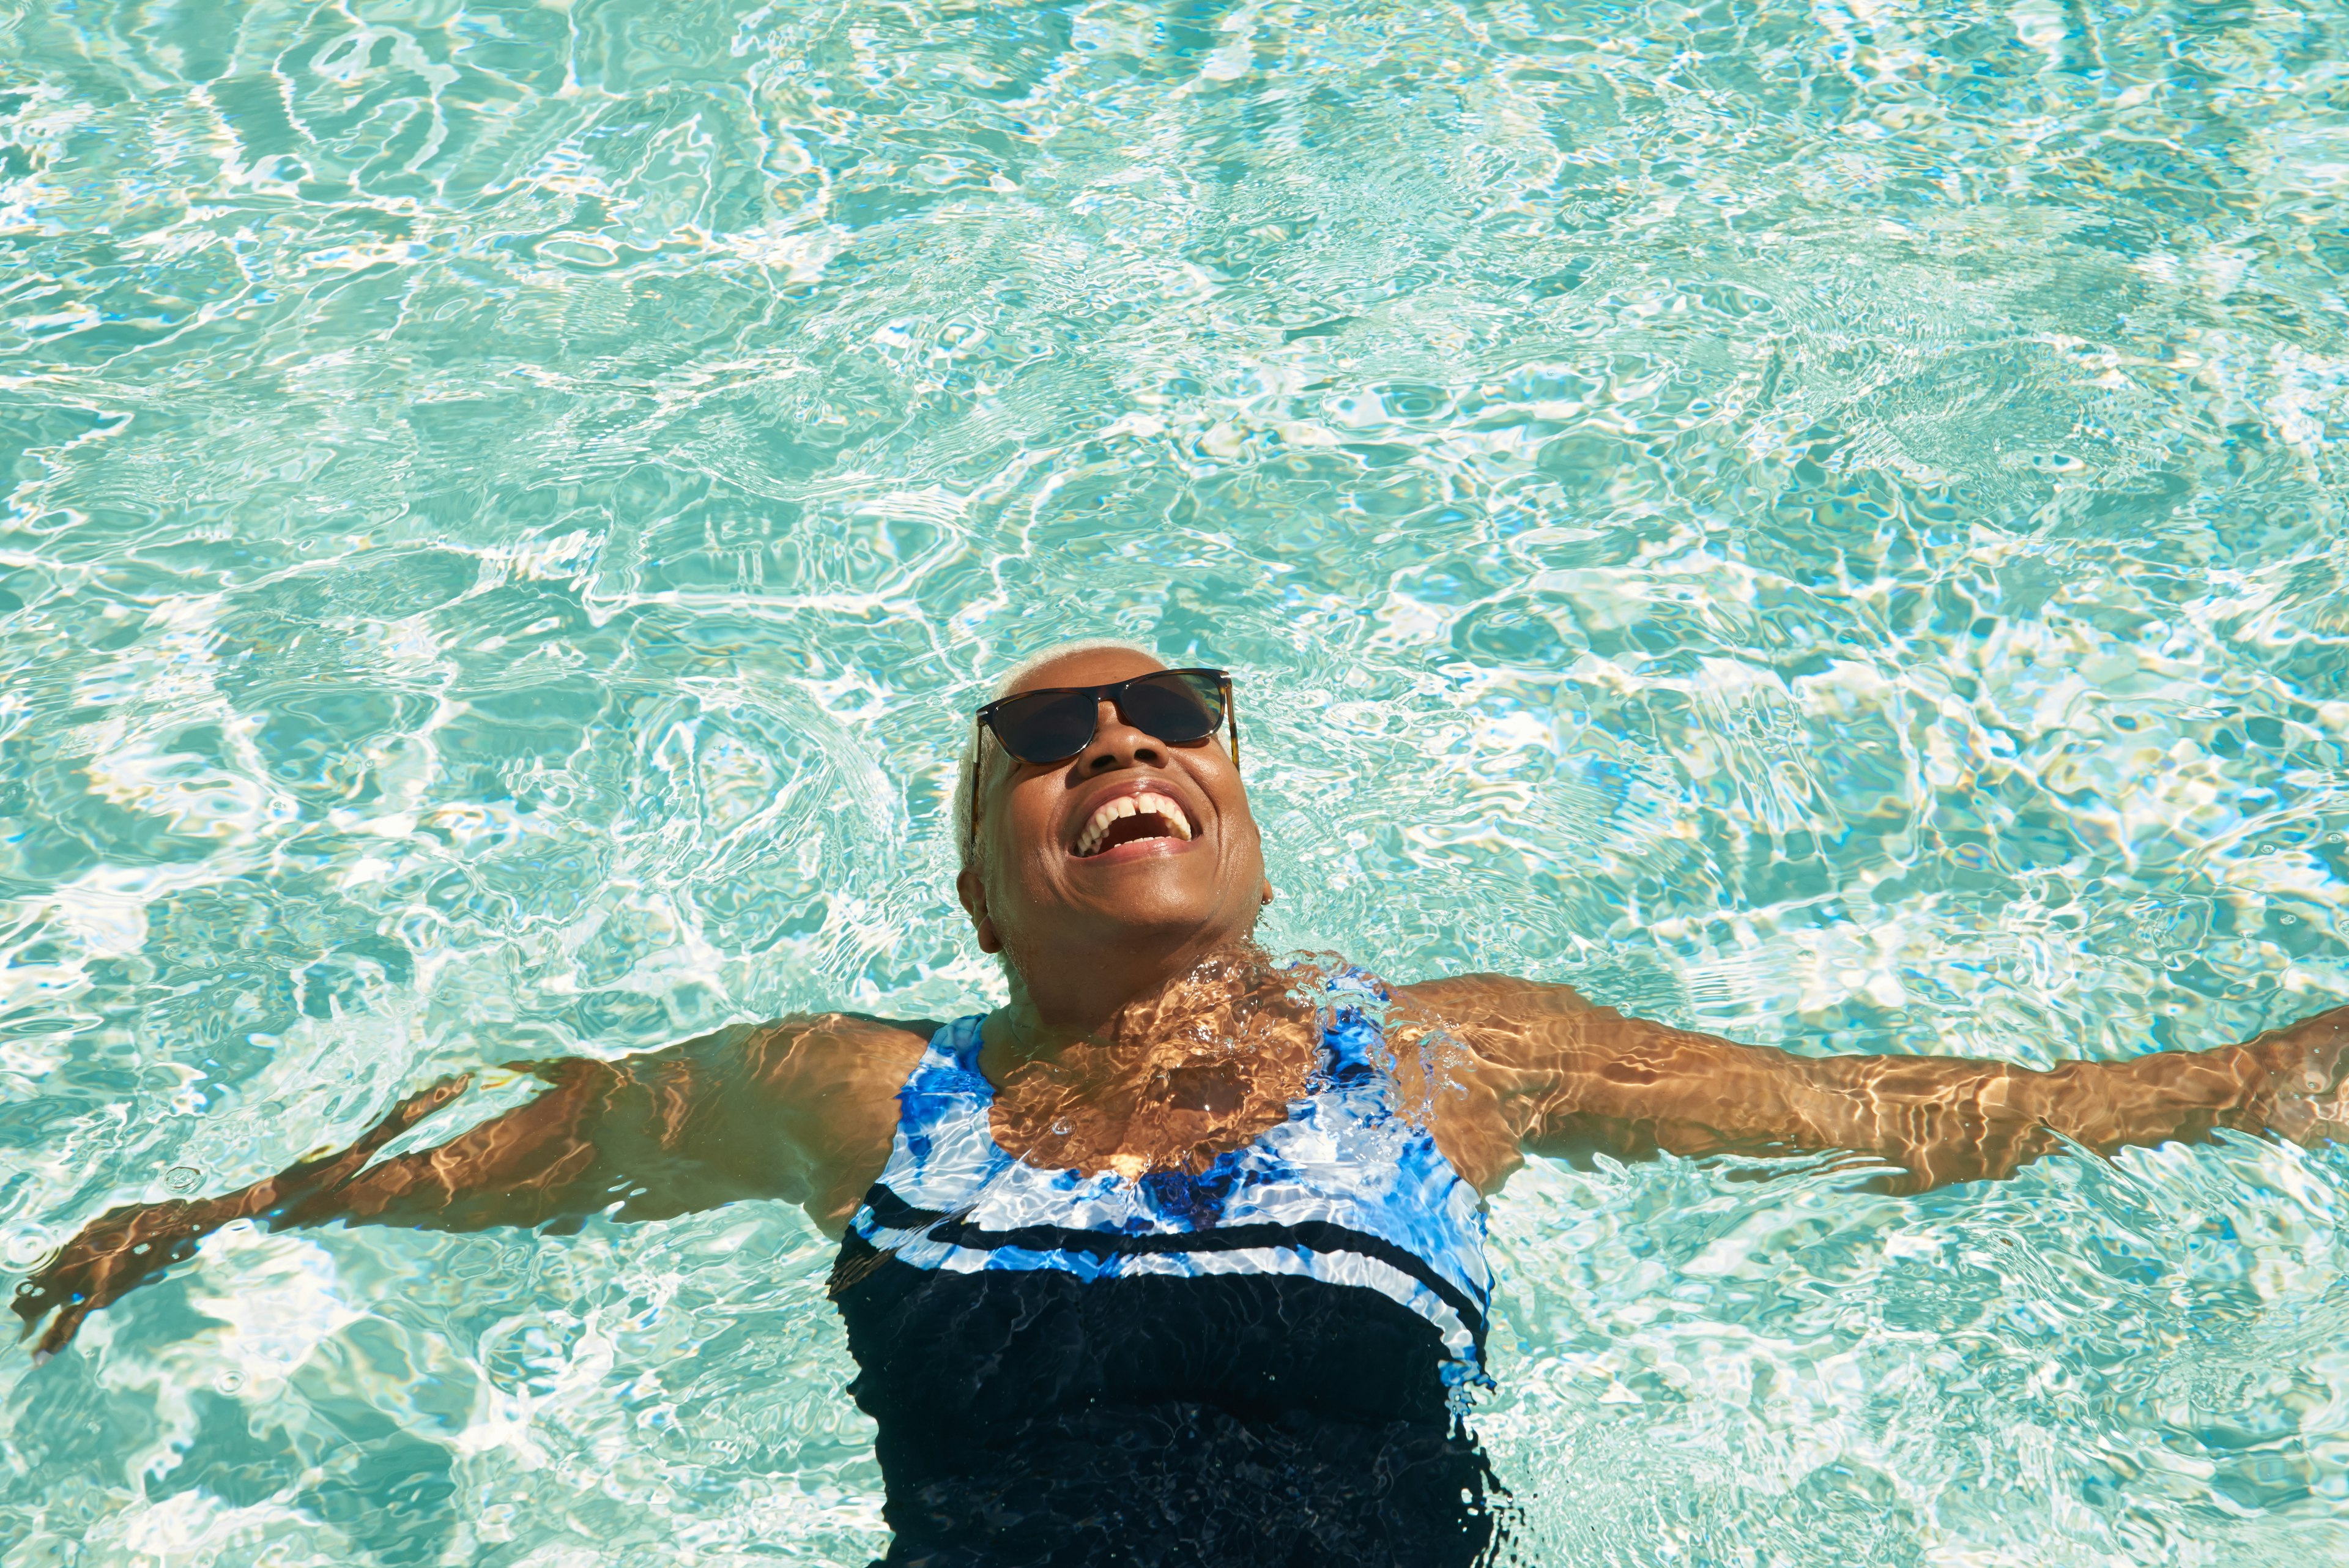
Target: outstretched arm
column 1568, row 1077
column 800, row 1110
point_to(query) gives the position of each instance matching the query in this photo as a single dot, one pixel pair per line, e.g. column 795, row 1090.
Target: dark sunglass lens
column 1045, row 727
column 1173, row 707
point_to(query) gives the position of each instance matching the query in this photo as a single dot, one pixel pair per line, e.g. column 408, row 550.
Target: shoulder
column 1487, row 997
column 808, row 1058
column 1499, row 993
column 1509, row 1019
column 836, row 1050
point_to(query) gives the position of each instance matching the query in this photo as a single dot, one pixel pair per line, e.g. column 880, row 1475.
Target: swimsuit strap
column 954, row 1051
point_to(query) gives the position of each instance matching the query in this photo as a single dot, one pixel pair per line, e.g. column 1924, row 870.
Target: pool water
column 1820, row 522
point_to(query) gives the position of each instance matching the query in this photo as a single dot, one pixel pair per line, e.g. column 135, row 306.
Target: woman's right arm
column 801, row 1110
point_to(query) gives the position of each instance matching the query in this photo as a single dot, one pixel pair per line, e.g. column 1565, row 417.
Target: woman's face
column 1091, row 853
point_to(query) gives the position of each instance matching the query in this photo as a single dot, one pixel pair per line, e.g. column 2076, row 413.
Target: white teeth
column 1111, row 811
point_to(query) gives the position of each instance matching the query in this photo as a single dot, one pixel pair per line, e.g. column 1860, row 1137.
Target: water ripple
column 1820, row 522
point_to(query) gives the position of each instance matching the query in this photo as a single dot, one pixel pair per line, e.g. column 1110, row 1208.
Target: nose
column 1117, row 744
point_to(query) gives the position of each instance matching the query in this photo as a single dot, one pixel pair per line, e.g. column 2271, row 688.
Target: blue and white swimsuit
column 1260, row 1364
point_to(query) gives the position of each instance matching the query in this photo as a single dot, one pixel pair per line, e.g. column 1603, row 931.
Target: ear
column 973, row 895
column 1263, row 894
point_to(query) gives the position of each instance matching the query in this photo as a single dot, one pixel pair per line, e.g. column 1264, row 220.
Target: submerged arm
column 1571, row 1077
column 799, row 1110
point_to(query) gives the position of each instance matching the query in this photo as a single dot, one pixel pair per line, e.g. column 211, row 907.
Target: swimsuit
column 1263, row 1364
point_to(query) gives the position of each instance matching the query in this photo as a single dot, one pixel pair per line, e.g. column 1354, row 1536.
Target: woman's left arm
column 1567, row 1076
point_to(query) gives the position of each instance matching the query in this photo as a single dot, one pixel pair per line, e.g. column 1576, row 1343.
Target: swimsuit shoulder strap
column 942, row 1147
column 949, row 1063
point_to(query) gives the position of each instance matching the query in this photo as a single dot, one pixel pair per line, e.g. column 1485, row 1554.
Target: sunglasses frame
column 1112, row 692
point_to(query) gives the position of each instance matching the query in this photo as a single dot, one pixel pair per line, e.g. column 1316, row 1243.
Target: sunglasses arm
column 977, row 771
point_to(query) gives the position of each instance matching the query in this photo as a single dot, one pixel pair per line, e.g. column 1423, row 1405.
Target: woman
column 1177, row 1256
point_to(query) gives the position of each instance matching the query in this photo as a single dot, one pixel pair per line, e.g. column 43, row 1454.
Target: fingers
column 65, row 1283
column 61, row 1331
column 124, row 1246
column 2309, row 1120
column 112, row 1254
column 119, row 1250
column 2308, row 1056
column 2306, row 1065
column 32, row 1303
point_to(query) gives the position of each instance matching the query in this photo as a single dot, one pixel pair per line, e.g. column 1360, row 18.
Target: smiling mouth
column 1129, row 817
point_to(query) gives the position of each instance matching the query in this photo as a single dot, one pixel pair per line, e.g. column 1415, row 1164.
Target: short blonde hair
column 966, row 820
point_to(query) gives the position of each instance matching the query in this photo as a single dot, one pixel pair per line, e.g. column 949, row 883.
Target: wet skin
column 1145, row 1031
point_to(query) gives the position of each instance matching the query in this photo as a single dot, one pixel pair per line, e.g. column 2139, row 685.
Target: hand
column 2308, row 1062
column 126, row 1246
column 115, row 1251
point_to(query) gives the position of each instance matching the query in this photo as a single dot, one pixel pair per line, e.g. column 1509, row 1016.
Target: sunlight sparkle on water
column 1819, row 521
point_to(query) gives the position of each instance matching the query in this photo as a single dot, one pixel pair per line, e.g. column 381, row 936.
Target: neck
column 1120, row 999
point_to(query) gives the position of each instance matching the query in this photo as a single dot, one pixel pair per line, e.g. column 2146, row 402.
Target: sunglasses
column 1056, row 723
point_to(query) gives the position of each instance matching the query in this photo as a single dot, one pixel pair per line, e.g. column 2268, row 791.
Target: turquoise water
column 1820, row 522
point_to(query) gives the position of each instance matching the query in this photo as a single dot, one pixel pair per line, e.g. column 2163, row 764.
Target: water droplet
column 1060, row 1127
column 229, row 1382
column 183, row 1177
